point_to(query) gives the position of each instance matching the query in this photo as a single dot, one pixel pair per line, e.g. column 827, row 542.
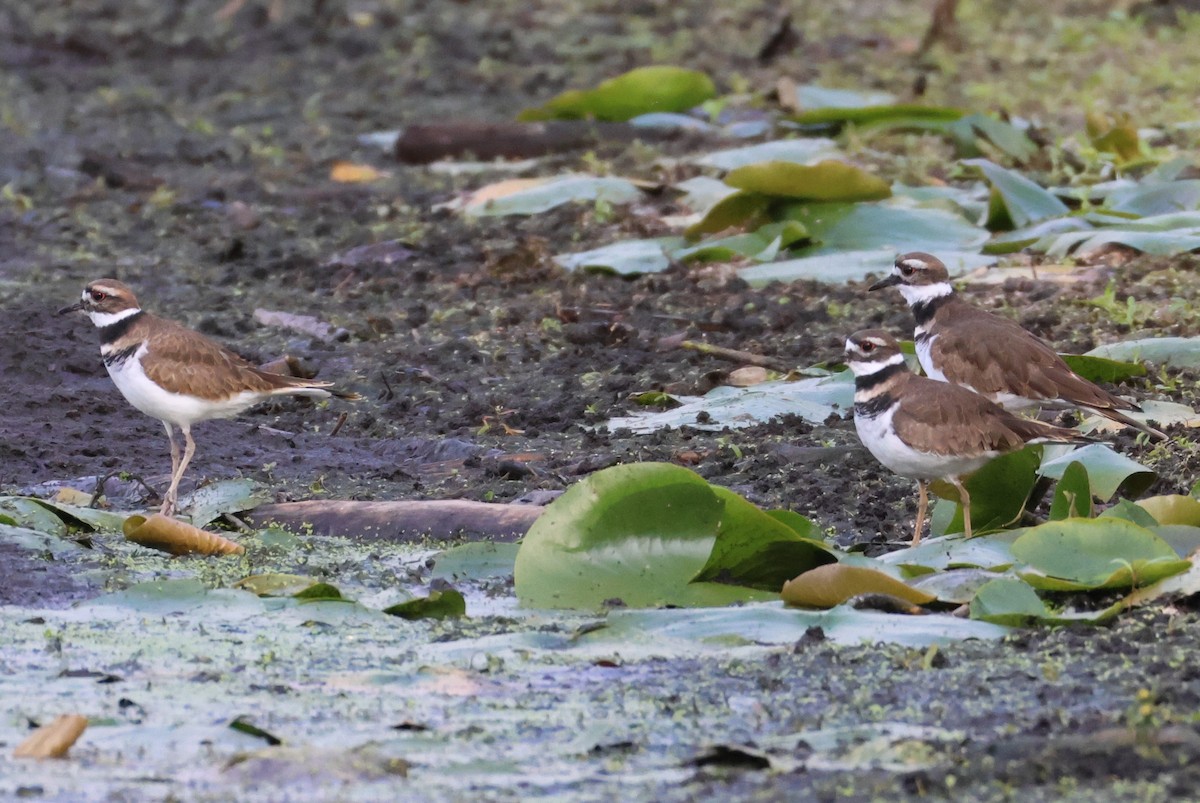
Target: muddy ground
column 191, row 159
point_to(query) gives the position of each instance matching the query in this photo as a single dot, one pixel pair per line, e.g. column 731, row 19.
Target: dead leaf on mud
column 747, row 376
column 177, row 537
column 304, row 324
column 280, row 765
column 53, row 740
column 351, row 173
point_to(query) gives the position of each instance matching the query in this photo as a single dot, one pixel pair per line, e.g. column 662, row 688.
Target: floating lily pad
column 762, row 245
column 958, row 586
column 1072, row 494
column 1177, row 352
column 207, row 503
column 1156, row 198
column 476, row 560
column 1101, row 369
column 535, row 196
column 1172, row 509
column 839, row 227
column 835, row 117
column 639, row 91
column 445, row 604
column 849, row 266
column 738, row 210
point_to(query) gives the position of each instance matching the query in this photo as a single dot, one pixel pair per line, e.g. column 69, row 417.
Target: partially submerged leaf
column 835, row 117
column 1094, row 553
column 762, row 245
column 826, row 181
column 177, row 537
column 319, row 592
column 848, row 266
column 639, row 91
column 839, row 227
column 209, row 502
column 833, row 584
column 1155, row 198
column 54, row 739
column 445, row 604
column 476, row 560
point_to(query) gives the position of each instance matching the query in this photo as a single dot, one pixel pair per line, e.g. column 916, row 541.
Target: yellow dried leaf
column 351, row 173
column 67, row 495
column 53, row 740
column 834, row 583
column 177, row 537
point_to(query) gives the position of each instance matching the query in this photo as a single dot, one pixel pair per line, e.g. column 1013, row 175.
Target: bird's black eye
column 98, row 295
column 867, row 347
column 906, row 269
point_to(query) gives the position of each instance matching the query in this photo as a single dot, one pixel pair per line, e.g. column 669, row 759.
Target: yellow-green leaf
column 640, row 91
column 834, row 583
column 829, row 180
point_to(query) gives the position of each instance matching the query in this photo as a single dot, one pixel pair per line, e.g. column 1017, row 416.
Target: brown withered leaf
column 53, row 740
column 177, row 537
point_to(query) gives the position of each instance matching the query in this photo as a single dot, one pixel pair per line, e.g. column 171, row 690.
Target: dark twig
column 100, row 483
column 735, row 355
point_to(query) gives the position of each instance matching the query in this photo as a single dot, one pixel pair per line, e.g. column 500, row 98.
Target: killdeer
column 928, row 430
column 991, row 355
column 176, row 375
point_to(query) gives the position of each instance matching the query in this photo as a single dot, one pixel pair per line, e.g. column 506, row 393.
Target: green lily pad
column 991, row 551
column 1094, row 553
column 865, row 226
column 319, row 592
column 1183, row 538
column 833, row 584
column 1100, row 369
column 87, row 517
column 849, row 266
column 638, row 533
column 1010, row 242
column 1004, row 135
column 835, row 117
column 37, row 540
column 639, row 91
column 1007, row 601
column 1020, row 201
column 1130, row 511
column 1107, row 470
column 755, row 549
column 1159, row 243
column 826, row 181
column 445, row 604
column 1072, row 495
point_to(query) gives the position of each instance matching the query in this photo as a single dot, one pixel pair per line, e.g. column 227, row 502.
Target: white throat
column 863, row 368
column 103, row 319
column 923, row 294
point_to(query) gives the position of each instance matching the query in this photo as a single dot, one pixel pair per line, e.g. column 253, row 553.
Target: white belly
column 881, row 441
column 174, row 408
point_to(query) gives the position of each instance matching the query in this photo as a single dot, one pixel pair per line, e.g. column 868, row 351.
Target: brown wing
column 984, row 342
column 950, row 420
column 191, row 363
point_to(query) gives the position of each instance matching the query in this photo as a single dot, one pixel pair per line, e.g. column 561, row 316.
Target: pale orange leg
column 168, row 505
column 966, row 505
column 922, row 507
column 189, row 449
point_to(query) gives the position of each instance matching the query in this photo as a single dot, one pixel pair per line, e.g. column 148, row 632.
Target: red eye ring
column 868, row 347
column 98, row 295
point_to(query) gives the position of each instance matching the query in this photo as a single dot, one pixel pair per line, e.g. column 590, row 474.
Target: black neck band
column 116, row 330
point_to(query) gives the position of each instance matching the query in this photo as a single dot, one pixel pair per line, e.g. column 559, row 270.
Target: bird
column 925, row 429
column 178, row 375
column 990, row 354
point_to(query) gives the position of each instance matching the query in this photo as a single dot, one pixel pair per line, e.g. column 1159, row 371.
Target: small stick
column 735, row 355
column 338, row 426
